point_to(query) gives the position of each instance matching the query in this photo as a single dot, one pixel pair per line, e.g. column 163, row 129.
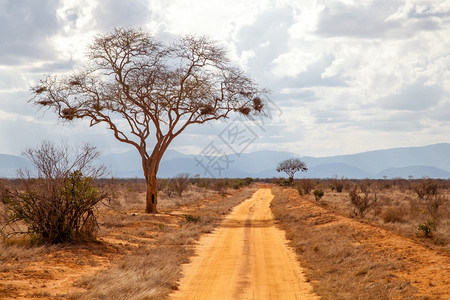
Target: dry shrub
column 305, row 186
column 394, row 215
column 425, row 187
column 338, row 184
column 56, row 203
column 177, row 184
column 337, row 265
column 219, row 185
column 361, row 200
column 398, row 207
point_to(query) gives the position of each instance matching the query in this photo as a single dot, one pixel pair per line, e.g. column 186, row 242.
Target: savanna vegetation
column 134, row 255
column 382, row 253
column 411, row 207
column 369, row 239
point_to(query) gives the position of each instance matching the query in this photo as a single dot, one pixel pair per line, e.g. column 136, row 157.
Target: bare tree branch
column 157, row 89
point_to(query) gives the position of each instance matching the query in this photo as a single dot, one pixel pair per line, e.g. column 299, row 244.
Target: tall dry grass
column 337, row 265
column 151, row 267
column 398, row 207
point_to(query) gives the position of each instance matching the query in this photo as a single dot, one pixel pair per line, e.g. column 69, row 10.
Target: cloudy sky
column 346, row 76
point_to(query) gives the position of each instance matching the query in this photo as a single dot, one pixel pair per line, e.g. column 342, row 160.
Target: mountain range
column 413, row 162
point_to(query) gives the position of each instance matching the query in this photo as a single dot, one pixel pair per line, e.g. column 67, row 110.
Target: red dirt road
column 246, row 258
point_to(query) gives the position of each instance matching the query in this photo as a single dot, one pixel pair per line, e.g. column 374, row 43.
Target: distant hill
column 335, row 169
column 9, row 164
column 374, row 162
column 415, row 172
column 432, row 161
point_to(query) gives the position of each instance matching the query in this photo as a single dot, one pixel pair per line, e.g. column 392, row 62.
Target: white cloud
column 25, row 30
column 294, row 63
column 349, row 75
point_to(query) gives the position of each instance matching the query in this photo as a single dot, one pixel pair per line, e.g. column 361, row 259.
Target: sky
column 346, row 76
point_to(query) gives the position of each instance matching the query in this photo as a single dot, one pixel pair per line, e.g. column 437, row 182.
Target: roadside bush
column 306, row 186
column 240, row 183
column 192, row 218
column 178, row 184
column 393, row 215
column 426, row 229
column 338, row 185
column 219, row 185
column 318, row 194
column 361, row 201
column 58, row 205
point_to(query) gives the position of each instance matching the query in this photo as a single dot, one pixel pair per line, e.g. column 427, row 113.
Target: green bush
column 281, row 181
column 318, row 194
column 192, row 219
column 55, row 210
column 58, row 204
column 426, row 229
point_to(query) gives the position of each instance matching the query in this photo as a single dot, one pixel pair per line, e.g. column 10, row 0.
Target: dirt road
column 246, row 258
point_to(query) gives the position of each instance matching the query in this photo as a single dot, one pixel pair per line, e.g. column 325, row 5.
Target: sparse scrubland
column 381, row 253
column 414, row 208
column 356, row 239
column 136, row 255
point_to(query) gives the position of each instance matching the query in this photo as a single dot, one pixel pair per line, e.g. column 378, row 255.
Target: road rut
column 246, row 258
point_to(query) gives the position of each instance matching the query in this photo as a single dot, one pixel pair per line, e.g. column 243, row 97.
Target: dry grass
column 398, row 209
column 337, row 264
column 137, row 256
column 160, row 244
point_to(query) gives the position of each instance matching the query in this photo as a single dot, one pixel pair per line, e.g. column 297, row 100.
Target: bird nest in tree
column 257, row 104
column 245, row 110
column 40, row 90
column 45, row 102
column 68, row 113
column 207, row 110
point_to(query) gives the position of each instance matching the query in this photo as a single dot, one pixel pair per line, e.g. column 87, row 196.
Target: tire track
column 246, row 258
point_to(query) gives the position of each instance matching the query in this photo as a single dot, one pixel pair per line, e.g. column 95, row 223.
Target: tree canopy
column 147, row 91
column 291, row 166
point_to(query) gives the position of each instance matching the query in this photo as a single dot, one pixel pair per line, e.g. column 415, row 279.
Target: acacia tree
column 291, row 166
column 147, row 92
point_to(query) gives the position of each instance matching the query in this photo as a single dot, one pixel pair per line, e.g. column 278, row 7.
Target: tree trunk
column 152, row 193
column 291, row 180
column 150, row 166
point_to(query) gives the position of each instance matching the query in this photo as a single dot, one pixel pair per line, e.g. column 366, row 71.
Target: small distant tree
column 56, row 201
column 147, row 92
column 291, row 166
column 179, row 183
